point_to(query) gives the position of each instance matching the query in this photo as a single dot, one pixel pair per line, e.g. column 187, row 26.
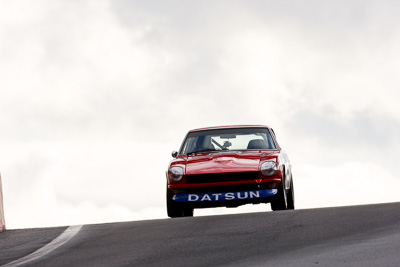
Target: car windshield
column 227, row 139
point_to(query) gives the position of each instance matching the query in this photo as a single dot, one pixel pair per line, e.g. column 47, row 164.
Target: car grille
column 221, row 177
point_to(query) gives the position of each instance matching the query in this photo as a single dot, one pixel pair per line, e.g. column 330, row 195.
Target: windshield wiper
column 201, row 151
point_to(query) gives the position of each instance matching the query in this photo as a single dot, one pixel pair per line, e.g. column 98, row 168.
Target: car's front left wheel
column 280, row 199
column 290, row 196
column 284, row 199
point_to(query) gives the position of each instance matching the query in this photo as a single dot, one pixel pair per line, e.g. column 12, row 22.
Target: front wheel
column 175, row 210
column 280, row 201
column 284, row 199
column 290, row 196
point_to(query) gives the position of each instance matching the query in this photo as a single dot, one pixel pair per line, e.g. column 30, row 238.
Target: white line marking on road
column 69, row 233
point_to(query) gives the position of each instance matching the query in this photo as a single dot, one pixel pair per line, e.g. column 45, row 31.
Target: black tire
column 188, row 212
column 175, row 210
column 290, row 196
column 280, row 199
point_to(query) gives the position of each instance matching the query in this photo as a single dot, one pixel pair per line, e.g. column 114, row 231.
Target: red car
column 229, row 166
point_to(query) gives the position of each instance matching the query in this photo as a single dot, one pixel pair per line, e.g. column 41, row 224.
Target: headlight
column 175, row 173
column 268, row 168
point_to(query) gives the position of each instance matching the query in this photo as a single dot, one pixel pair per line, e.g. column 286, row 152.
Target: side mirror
column 174, row 154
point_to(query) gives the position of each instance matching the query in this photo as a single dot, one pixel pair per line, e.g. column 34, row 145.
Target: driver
column 204, row 143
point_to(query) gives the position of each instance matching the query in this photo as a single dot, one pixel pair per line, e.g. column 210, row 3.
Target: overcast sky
column 94, row 96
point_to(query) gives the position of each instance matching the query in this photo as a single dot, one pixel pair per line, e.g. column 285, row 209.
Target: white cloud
column 349, row 182
column 96, row 94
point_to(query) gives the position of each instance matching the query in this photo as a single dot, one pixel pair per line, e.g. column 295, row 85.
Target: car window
column 228, row 139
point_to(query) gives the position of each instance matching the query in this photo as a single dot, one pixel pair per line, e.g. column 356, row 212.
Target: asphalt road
column 15, row 244
column 346, row 236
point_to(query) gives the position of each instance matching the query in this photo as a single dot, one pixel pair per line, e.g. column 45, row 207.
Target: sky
column 94, row 96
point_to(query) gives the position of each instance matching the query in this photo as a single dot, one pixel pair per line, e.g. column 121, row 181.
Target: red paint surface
column 266, row 180
column 228, row 162
column 223, row 163
column 228, row 126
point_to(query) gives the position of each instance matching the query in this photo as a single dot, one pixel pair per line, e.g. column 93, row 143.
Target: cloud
column 358, row 182
column 95, row 95
column 363, row 129
column 76, row 70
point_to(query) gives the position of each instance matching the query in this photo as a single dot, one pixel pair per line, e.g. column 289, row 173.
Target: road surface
column 367, row 235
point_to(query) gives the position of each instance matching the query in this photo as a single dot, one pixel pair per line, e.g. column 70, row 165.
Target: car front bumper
column 227, row 194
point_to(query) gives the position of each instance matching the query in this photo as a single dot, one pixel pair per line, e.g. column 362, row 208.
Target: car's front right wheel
column 175, row 210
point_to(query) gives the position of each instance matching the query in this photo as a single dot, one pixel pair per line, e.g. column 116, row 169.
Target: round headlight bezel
column 175, row 173
column 268, row 168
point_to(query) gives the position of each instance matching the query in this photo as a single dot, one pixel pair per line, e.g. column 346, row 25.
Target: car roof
column 229, row 126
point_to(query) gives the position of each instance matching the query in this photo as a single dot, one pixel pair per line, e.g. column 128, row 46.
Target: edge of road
column 57, row 242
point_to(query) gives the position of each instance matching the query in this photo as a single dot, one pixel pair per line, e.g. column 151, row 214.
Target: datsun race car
column 229, row 166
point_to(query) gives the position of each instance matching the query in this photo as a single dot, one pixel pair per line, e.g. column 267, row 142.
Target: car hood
column 224, row 162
